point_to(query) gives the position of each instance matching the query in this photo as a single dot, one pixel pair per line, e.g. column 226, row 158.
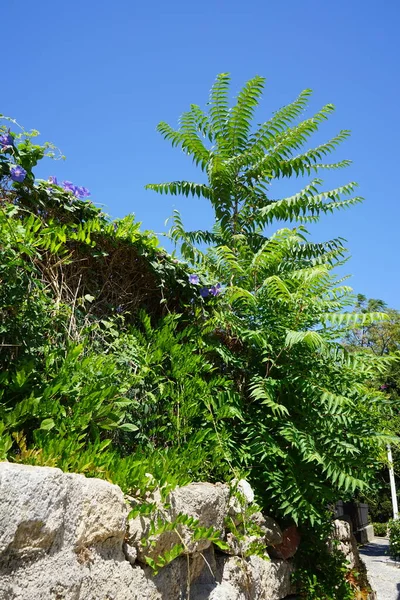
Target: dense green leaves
column 116, row 364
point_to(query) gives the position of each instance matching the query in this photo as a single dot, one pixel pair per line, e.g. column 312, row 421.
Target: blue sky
column 96, row 77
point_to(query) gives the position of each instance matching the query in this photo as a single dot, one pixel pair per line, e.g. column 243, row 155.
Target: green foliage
column 306, row 416
column 394, row 538
column 115, row 364
column 322, row 572
column 382, row 339
column 160, row 525
column 380, row 529
column 240, row 163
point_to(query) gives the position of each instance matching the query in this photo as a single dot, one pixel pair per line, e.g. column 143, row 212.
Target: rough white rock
column 270, row 580
column 257, row 578
column 62, row 537
column 96, row 510
column 242, row 496
column 205, row 502
column 341, row 530
column 226, row 591
column 345, row 542
column 270, row 528
column 32, row 505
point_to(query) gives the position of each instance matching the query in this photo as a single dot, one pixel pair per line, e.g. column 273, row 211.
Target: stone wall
column 67, row 537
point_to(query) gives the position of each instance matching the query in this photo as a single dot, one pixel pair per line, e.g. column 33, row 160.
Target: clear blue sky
column 95, row 77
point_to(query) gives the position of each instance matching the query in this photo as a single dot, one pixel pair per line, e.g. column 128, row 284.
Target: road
column 383, row 573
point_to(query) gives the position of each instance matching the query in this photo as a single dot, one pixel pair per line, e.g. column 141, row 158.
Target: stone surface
column 256, row 578
column 341, row 530
column 366, row 534
column 271, row 531
column 205, row 502
column 346, row 542
column 289, row 545
column 32, row 504
column 241, row 497
column 64, row 537
column 97, row 511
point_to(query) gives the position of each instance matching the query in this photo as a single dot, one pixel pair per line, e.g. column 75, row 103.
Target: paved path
column 383, row 573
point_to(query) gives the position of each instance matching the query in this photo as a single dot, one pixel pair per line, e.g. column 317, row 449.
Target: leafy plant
column 394, row 538
column 306, row 413
column 380, row 529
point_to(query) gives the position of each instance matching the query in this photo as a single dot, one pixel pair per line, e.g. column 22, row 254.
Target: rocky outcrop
column 67, row 537
column 344, row 540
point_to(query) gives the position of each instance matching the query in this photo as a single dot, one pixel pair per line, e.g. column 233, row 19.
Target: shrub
column 394, row 538
column 380, row 529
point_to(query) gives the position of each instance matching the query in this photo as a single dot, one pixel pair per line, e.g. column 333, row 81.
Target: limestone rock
column 32, row 504
column 63, row 537
column 270, row 580
column 256, row 578
column 226, row 591
column 258, row 533
column 341, row 530
column 345, row 542
column 96, row 511
column 242, row 496
column 270, row 528
column 205, row 502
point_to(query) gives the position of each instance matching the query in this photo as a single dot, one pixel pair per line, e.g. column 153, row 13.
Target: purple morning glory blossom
column 204, row 292
column 6, row 140
column 194, row 279
column 78, row 192
column 81, row 192
column 68, row 186
column 215, row 290
column 53, row 180
column 17, row 174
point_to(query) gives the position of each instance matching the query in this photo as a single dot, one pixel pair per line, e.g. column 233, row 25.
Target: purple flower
column 68, row 186
column 204, row 292
column 78, row 192
column 81, row 192
column 53, row 180
column 194, row 279
column 6, row 140
column 18, row 174
column 384, row 387
column 215, row 290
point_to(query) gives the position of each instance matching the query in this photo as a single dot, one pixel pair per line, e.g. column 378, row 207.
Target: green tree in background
column 382, row 339
column 308, row 420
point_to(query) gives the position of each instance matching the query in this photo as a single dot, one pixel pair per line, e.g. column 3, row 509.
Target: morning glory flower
column 17, row 174
column 81, row 192
column 53, row 180
column 215, row 290
column 77, row 191
column 204, row 292
column 6, row 140
column 194, row 279
column 68, row 186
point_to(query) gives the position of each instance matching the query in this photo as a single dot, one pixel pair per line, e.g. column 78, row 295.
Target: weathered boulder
column 257, row 578
column 270, row 528
column 96, row 510
column 32, row 505
column 342, row 539
column 205, row 502
column 63, row 537
column 252, row 534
